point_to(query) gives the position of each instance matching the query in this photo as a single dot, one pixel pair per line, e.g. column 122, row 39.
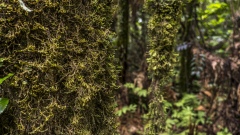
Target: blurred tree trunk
column 188, row 35
column 122, row 54
column 131, row 51
column 163, row 27
column 123, row 37
column 122, row 45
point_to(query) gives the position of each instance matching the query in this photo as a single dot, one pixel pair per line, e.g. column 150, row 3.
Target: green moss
column 163, row 26
column 64, row 68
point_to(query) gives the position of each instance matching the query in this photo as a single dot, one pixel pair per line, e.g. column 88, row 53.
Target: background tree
column 163, row 27
column 131, row 48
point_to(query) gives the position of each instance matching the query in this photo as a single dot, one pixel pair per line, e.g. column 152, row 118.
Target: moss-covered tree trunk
column 63, row 63
column 163, row 27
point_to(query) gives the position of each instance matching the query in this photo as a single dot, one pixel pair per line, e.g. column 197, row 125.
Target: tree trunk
column 163, row 27
column 63, row 65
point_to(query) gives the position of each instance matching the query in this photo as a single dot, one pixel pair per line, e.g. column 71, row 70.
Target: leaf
column 3, row 104
column 6, row 77
column 187, row 99
column 125, row 109
column 201, row 117
column 119, row 113
column 132, row 107
column 129, row 85
column 136, row 90
column 142, row 93
column 167, row 104
column 171, row 122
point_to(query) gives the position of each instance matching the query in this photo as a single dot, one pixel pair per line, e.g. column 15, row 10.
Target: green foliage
column 215, row 22
column 6, row 77
column 183, row 115
column 136, row 90
column 125, row 109
column 224, row 132
column 214, row 16
column 218, row 8
column 3, row 104
column 138, row 93
column 162, row 28
column 3, row 101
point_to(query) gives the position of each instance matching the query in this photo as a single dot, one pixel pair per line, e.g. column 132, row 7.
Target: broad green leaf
column 119, row 113
column 124, row 109
column 6, row 77
column 3, row 104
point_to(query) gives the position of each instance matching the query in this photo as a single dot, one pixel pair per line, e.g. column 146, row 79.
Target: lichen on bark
column 63, row 65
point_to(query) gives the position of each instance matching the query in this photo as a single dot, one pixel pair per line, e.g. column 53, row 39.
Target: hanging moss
column 64, row 67
column 163, row 27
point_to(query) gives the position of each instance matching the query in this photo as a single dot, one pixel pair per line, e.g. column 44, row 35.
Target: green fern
column 136, row 90
column 125, row 109
column 183, row 114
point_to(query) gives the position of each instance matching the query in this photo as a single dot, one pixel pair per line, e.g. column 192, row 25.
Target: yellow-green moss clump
column 63, row 64
column 163, row 27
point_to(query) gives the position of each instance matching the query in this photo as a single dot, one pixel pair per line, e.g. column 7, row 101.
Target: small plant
column 3, row 104
column 224, row 132
column 137, row 92
column 183, row 115
column 6, row 77
column 3, row 101
column 125, row 109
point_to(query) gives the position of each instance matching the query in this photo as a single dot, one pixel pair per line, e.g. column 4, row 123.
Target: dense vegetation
column 125, row 67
